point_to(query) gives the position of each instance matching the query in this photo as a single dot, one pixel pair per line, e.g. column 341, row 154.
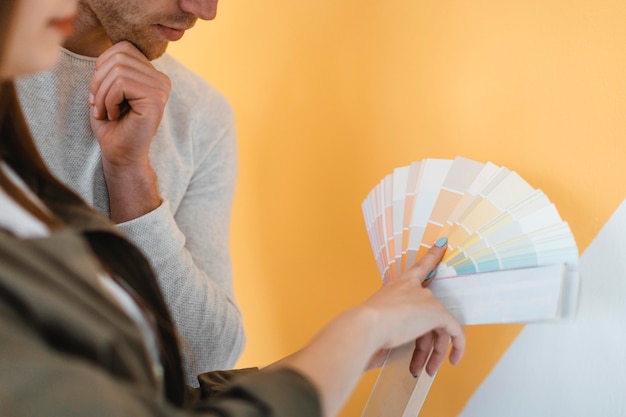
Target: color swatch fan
column 510, row 258
column 493, row 219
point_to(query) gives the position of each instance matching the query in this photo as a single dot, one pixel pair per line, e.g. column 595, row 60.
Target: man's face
column 149, row 24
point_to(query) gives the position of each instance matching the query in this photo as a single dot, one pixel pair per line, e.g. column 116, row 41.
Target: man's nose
column 203, row 9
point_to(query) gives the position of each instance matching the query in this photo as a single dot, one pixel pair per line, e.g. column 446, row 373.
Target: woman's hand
column 398, row 313
column 404, row 310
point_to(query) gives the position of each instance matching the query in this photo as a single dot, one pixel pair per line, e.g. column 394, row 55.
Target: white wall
column 575, row 369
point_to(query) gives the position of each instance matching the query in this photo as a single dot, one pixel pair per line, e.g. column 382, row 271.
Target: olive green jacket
column 67, row 349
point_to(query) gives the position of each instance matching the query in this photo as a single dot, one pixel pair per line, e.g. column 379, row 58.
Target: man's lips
column 171, row 34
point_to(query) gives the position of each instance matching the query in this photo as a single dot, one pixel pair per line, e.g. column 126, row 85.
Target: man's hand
column 128, row 97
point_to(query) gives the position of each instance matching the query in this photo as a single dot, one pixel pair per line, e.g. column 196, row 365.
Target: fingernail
column 441, row 242
column 95, row 112
column 92, row 99
column 430, row 275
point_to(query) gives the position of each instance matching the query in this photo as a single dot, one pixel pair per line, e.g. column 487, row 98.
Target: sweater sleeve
column 187, row 238
column 189, row 251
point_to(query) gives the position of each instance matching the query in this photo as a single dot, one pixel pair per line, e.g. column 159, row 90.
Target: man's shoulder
column 189, row 89
column 176, row 69
column 183, row 78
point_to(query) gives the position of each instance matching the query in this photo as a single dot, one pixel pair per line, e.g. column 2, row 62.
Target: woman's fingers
column 431, row 348
column 458, row 348
column 441, row 340
column 424, row 269
column 423, row 346
column 412, row 312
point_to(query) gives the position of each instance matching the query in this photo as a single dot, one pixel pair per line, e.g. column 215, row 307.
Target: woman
column 83, row 326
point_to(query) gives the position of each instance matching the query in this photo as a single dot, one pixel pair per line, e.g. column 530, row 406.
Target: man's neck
column 89, row 37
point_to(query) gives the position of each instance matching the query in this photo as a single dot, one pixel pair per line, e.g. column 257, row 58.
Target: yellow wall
column 331, row 95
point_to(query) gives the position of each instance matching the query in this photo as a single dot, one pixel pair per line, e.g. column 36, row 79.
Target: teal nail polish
column 441, row 242
column 430, row 275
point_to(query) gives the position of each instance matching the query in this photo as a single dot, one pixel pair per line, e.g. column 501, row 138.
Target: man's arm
column 182, row 247
column 128, row 97
column 128, row 100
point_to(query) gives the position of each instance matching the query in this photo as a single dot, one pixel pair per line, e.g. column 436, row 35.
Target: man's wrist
column 133, row 191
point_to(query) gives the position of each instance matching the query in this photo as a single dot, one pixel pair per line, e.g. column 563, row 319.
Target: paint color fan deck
column 510, row 257
column 493, row 219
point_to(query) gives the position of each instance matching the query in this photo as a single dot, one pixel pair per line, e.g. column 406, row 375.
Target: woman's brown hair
column 18, row 150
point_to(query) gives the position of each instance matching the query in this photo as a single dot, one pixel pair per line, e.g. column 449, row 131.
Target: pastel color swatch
column 510, row 258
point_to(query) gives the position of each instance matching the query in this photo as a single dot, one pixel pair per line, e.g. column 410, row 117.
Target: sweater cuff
column 158, row 223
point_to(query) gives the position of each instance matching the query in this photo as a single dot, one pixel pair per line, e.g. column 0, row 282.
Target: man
column 153, row 146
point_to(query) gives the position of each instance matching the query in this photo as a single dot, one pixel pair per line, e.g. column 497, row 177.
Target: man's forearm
column 133, row 192
column 201, row 299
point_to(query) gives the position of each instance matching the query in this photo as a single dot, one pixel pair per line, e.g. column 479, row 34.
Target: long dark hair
column 18, row 150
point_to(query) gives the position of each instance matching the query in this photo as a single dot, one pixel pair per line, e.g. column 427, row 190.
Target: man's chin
column 153, row 56
column 154, row 53
column 151, row 50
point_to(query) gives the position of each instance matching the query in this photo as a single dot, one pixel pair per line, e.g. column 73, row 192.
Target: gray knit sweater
column 187, row 238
